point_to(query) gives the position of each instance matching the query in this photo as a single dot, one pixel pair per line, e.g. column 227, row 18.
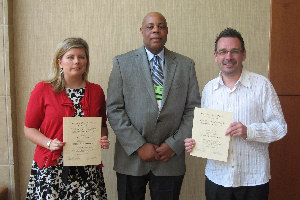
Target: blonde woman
column 66, row 94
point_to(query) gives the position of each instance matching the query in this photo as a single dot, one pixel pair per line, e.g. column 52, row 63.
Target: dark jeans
column 218, row 192
column 161, row 187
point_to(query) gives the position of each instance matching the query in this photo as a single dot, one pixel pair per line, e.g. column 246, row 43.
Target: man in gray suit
column 151, row 120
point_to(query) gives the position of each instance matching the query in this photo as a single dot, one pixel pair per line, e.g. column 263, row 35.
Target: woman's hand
column 189, row 144
column 104, row 142
column 35, row 136
column 56, row 145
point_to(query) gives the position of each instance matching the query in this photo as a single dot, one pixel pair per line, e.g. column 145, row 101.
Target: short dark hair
column 230, row 32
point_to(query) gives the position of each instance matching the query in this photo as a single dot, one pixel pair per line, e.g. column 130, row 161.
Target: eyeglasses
column 233, row 52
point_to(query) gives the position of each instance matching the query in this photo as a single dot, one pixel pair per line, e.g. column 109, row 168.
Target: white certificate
column 82, row 136
column 209, row 127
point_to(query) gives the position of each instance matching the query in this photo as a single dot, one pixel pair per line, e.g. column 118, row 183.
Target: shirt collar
column 244, row 80
column 150, row 55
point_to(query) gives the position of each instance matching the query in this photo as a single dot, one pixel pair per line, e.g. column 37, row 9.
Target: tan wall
column 111, row 27
column 7, row 98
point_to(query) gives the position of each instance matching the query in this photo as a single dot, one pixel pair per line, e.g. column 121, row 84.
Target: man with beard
column 257, row 121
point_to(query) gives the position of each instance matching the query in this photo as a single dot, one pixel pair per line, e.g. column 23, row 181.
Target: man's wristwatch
column 48, row 144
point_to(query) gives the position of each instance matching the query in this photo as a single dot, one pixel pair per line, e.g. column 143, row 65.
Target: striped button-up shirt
column 255, row 104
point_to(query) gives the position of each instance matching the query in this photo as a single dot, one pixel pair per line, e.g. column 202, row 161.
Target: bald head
column 154, row 31
column 154, row 14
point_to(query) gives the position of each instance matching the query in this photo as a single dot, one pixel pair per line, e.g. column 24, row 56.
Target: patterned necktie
column 158, row 77
column 157, row 72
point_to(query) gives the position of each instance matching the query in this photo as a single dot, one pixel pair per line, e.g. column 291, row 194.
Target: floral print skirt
column 47, row 183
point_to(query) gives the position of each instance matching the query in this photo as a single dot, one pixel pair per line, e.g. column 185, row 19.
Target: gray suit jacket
column 134, row 115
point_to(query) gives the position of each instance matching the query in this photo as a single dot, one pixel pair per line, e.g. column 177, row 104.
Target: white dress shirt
column 161, row 56
column 255, row 104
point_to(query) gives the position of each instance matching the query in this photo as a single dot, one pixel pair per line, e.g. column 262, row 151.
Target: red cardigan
column 46, row 109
